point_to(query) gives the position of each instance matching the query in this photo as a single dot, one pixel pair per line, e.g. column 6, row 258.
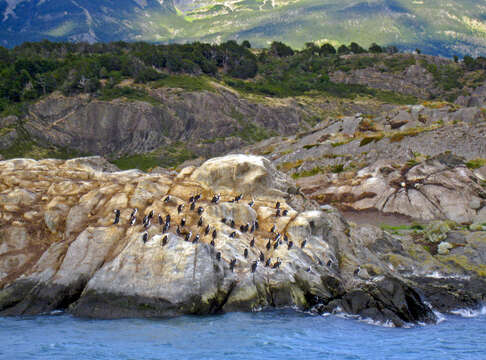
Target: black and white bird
column 257, row 226
column 206, row 231
column 262, row 257
column 164, row 240
column 232, row 264
column 200, row 222
column 218, row 256
column 151, row 214
column 167, row 199
column 117, row 216
column 188, row 236
column 277, row 213
column 275, row 246
column 133, row 220
column 267, row 263
column 290, row 244
column 302, row 244
column 145, row 237
column 285, row 212
column 147, row 224
column 272, row 230
column 252, row 229
column 245, row 253
column 254, row 266
column 277, row 205
column 251, row 203
column 179, row 208
column 214, row 234
column 277, row 264
column 238, row 198
column 193, row 206
column 200, row 210
column 161, row 221
column 196, row 239
column 232, row 223
column 233, row 235
column 277, row 237
column 286, row 238
column 191, row 200
column 165, row 228
column 212, row 243
column 167, row 218
column 269, row 244
column 183, row 222
column 216, row 198
column 134, row 213
column 197, row 197
column 252, row 242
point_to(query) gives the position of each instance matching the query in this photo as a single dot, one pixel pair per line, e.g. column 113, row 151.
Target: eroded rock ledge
column 59, row 248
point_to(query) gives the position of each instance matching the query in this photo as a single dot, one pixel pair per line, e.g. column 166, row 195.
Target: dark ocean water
column 281, row 334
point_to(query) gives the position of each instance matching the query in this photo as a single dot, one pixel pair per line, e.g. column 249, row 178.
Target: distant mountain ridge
column 444, row 27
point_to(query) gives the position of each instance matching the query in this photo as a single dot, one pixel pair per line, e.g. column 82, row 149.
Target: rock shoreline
column 59, row 248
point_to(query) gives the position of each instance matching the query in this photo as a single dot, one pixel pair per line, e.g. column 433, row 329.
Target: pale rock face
column 60, row 248
column 439, row 188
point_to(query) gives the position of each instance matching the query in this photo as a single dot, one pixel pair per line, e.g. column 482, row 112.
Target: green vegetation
column 169, row 156
column 476, row 163
column 186, row 82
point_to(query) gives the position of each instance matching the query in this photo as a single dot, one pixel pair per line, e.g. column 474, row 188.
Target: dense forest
column 33, row 70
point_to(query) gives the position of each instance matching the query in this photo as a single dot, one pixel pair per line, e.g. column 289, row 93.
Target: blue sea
column 282, row 334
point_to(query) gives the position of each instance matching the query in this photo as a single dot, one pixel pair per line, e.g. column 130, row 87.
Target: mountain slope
column 444, row 27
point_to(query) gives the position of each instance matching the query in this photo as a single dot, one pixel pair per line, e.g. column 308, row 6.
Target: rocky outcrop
column 59, row 247
column 439, row 188
column 208, row 121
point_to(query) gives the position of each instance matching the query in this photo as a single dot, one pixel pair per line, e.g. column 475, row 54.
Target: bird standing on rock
column 160, row 220
column 277, row 205
column 200, row 210
column 272, row 230
column 145, row 237
column 134, row 213
column 214, row 234
column 232, row 264
column 238, row 198
column 290, row 244
column 285, row 212
column 232, row 223
column 262, row 257
column 200, row 222
column 218, row 256
column 277, row 264
column 267, row 263
column 188, row 236
column 167, row 199
column 179, row 208
column 196, row 239
column 251, row 203
column 245, row 253
column 269, row 245
column 193, row 206
column 117, row 216
column 183, row 222
column 216, row 198
column 133, row 220
column 254, row 266
column 252, row 242
column 206, row 231
column 164, row 240
column 302, row 244
column 233, row 235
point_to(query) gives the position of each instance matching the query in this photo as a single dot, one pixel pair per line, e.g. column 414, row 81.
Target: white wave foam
column 470, row 313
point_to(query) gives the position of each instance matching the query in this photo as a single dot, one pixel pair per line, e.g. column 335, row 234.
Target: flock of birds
column 181, row 229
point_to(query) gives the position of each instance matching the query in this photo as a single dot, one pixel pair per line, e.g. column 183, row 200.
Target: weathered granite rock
column 439, row 188
column 59, row 248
